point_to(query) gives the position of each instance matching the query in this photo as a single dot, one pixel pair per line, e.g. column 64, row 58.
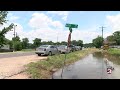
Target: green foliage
column 36, row 42
column 116, row 36
column 114, row 51
column 25, row 43
column 3, row 15
column 97, row 42
column 18, row 45
column 77, row 43
column 63, row 43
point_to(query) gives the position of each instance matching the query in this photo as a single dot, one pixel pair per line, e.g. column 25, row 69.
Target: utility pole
column 13, row 39
column 102, row 34
column 102, row 46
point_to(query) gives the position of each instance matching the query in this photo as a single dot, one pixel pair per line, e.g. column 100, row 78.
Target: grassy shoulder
column 27, row 50
column 22, row 51
column 114, row 51
column 44, row 69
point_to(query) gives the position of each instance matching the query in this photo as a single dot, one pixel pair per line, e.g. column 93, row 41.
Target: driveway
column 13, row 67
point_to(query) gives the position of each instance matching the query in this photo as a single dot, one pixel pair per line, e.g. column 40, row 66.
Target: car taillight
column 44, row 49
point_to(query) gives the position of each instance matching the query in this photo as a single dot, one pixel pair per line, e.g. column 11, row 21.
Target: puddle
column 92, row 66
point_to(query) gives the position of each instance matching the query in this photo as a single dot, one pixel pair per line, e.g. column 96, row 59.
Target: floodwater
column 92, row 66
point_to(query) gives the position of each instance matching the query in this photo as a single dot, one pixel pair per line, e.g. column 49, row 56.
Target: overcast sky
column 47, row 25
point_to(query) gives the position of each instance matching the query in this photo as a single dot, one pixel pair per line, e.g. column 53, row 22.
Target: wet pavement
column 92, row 66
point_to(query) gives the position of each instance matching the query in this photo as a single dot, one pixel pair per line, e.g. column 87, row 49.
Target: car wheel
column 50, row 53
column 59, row 52
column 39, row 54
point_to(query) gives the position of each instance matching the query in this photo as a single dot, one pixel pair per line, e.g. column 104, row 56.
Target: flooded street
column 92, row 66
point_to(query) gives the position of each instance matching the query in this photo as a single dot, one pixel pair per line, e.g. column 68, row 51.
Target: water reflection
column 90, row 67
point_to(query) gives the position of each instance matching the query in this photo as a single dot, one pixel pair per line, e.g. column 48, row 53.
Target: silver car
column 63, row 49
column 46, row 50
column 78, row 48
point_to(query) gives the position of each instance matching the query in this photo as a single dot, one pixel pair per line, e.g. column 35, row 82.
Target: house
column 6, row 47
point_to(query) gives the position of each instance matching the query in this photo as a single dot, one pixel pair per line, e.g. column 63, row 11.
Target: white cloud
column 19, row 30
column 64, row 14
column 113, row 22
column 40, row 20
column 41, row 28
column 48, row 34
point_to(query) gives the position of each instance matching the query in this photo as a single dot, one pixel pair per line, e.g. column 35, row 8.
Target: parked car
column 72, row 48
column 46, row 50
column 63, row 49
column 77, row 48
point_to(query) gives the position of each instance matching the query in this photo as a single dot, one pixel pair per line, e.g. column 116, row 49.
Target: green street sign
column 71, row 25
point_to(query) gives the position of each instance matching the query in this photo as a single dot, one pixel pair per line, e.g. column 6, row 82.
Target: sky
column 50, row 25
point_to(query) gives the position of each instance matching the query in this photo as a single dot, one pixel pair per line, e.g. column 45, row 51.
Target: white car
column 46, row 50
column 63, row 49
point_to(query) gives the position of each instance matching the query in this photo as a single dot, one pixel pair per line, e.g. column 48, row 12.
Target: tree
column 63, row 43
column 37, row 42
column 80, row 43
column 50, row 43
column 30, row 45
column 3, row 15
column 88, row 45
column 74, row 42
column 111, row 40
column 25, row 43
column 116, row 36
column 17, row 43
column 97, row 42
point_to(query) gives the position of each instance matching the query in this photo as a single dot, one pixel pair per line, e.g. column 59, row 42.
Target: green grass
column 43, row 69
column 27, row 50
column 23, row 50
column 114, row 51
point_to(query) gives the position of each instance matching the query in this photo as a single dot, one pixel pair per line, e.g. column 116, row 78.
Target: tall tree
column 117, row 37
column 97, row 42
column 111, row 40
column 37, row 42
column 17, row 43
column 63, row 43
column 25, row 43
column 74, row 42
column 3, row 15
column 80, row 43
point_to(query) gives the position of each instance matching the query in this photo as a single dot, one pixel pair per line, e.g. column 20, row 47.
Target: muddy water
column 92, row 66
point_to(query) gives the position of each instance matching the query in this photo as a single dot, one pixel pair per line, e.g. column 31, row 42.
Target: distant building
column 7, row 47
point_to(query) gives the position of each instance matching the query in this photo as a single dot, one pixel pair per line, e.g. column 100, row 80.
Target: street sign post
column 71, row 25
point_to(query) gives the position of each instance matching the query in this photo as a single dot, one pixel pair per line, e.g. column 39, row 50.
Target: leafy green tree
column 3, row 15
column 17, row 43
column 63, row 43
column 116, row 36
column 25, row 43
column 80, row 43
column 97, row 42
column 37, row 42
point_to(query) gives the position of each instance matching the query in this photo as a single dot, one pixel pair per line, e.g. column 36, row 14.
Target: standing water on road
column 92, row 66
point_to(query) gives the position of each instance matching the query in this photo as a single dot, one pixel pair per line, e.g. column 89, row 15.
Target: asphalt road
column 8, row 55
